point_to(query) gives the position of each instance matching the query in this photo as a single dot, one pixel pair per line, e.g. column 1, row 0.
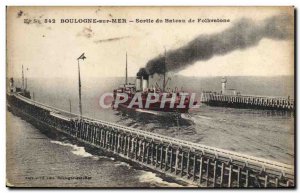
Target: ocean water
column 35, row 160
column 263, row 134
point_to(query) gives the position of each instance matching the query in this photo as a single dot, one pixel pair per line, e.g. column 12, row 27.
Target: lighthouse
column 223, row 81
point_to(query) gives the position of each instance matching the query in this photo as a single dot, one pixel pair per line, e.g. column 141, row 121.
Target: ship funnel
column 138, row 83
column 142, row 80
column 145, row 82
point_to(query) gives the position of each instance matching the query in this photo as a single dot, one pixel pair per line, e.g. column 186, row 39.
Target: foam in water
column 80, row 151
column 150, row 177
column 106, row 157
column 204, row 117
column 123, row 164
column 146, row 177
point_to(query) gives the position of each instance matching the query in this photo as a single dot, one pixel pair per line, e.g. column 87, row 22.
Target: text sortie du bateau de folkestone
column 122, row 20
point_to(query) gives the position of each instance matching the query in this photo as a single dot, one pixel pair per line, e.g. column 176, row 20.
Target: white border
column 3, row 4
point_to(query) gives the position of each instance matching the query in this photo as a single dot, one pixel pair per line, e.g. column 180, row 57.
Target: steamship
column 179, row 108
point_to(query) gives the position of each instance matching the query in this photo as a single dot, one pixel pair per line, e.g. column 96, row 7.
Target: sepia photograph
column 150, row 97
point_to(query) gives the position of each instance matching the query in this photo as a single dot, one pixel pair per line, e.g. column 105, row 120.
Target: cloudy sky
column 51, row 50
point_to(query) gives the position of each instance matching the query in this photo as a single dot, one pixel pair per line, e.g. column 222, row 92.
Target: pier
column 194, row 163
column 247, row 102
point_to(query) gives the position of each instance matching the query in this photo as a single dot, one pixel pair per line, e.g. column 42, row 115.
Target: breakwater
column 248, row 102
column 195, row 163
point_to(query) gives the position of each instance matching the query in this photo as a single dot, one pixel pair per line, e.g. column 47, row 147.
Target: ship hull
column 146, row 115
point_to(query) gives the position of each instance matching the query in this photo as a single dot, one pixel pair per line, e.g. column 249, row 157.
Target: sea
column 35, row 159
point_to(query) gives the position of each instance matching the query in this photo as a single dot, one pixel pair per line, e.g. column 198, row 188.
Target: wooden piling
column 101, row 137
column 152, row 153
column 125, row 145
column 182, row 166
column 207, row 172
column 136, row 149
column 144, row 148
column 222, row 175
column 230, row 176
column 147, row 153
column 156, row 156
column 215, row 173
column 276, row 182
column 266, row 181
column 128, row 146
column 105, row 139
column 161, row 156
column 118, row 143
column 188, row 164
column 247, row 178
column 239, row 177
column 140, row 150
column 176, row 161
column 200, row 169
column 194, row 167
column 171, row 159
column 132, row 146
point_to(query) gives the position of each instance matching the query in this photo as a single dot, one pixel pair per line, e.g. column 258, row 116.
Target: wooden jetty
column 197, row 164
column 247, row 101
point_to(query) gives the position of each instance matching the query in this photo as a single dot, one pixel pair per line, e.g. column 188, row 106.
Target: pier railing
column 196, row 163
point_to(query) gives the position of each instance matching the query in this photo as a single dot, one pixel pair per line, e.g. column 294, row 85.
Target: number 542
column 49, row 20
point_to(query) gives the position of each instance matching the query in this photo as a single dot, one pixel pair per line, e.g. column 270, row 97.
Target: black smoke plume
column 243, row 34
column 143, row 73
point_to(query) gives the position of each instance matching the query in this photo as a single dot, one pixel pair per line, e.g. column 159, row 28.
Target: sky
column 51, row 50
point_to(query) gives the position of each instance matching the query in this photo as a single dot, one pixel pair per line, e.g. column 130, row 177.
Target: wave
column 123, row 164
column 146, row 177
column 80, row 151
column 106, row 157
column 204, row 117
column 150, row 177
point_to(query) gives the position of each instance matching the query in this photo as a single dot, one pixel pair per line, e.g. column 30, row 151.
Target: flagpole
column 79, row 85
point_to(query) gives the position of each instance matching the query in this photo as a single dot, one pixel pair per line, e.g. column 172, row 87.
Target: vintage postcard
column 152, row 97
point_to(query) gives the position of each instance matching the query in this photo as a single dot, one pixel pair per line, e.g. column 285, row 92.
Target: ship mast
column 23, row 87
column 26, row 75
column 164, row 83
column 70, row 105
column 126, row 76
